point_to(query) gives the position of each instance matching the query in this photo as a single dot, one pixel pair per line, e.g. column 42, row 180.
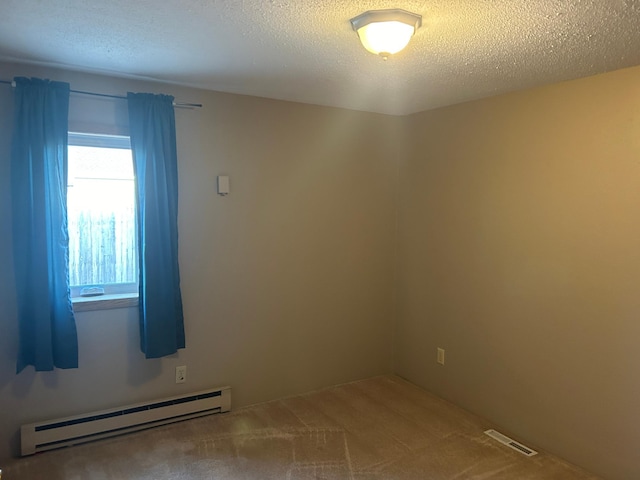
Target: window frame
column 114, row 295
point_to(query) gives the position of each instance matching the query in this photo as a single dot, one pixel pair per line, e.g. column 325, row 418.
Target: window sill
column 104, row 302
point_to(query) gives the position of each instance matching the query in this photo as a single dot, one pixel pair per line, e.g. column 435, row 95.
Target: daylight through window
column 101, row 215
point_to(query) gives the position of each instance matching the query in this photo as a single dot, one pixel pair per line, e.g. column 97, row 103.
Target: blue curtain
column 47, row 326
column 153, row 142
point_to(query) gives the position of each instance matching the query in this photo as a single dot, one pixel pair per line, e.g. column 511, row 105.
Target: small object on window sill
column 91, row 291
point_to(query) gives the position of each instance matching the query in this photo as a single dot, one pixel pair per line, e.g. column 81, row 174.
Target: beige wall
column 287, row 282
column 519, row 253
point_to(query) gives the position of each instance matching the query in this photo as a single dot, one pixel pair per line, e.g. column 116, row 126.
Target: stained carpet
column 376, row 429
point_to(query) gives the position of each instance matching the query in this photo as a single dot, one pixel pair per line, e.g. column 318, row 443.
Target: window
column 103, row 256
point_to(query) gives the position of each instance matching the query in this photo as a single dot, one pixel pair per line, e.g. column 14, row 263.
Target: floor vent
column 517, row 446
column 62, row 432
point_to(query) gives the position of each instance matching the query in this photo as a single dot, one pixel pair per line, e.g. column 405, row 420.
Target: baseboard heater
column 62, row 432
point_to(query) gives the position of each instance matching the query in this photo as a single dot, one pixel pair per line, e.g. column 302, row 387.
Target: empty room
column 264, row 240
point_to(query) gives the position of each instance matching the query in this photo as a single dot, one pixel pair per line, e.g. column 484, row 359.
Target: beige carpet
column 380, row 428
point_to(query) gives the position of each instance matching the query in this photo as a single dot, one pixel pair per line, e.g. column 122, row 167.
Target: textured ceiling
column 305, row 51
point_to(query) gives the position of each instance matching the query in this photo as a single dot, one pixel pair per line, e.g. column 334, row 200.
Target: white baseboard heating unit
column 62, row 432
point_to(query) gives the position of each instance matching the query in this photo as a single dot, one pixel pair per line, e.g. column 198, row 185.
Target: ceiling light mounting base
column 389, row 15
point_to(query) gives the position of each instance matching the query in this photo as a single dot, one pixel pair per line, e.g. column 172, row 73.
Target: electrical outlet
column 440, row 358
column 181, row 374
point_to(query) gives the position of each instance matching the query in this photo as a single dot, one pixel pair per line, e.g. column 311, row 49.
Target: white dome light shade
column 385, row 32
column 385, row 37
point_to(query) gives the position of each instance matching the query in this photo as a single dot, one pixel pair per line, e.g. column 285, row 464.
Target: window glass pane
column 101, row 212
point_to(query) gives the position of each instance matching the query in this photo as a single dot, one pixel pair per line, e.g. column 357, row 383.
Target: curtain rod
column 122, row 97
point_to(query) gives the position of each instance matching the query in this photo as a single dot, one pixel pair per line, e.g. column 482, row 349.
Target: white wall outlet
column 440, row 358
column 181, row 374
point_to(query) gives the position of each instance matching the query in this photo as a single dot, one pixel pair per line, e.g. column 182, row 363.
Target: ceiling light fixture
column 385, row 32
